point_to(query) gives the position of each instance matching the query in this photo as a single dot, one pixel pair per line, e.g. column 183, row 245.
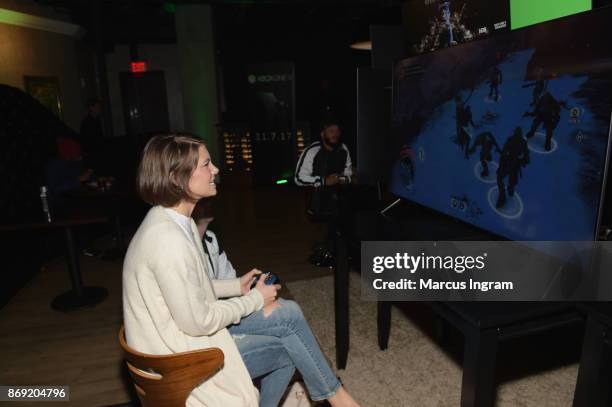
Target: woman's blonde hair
column 167, row 163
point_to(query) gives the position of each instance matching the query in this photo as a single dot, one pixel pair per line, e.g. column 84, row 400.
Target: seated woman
column 171, row 304
column 267, row 336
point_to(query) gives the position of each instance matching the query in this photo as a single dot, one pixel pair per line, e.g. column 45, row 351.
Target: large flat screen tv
column 510, row 133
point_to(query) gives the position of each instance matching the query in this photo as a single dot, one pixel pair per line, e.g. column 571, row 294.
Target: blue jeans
column 274, row 346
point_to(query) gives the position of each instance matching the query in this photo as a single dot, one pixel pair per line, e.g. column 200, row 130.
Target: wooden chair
column 175, row 375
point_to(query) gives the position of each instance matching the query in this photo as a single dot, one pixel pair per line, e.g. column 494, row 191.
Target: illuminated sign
column 138, row 66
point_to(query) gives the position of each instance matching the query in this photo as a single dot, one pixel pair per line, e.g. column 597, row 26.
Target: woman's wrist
column 256, row 295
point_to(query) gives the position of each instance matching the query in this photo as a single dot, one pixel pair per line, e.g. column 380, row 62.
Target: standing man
column 486, row 141
column 495, row 80
column 514, row 156
column 463, row 119
column 548, row 112
column 326, row 165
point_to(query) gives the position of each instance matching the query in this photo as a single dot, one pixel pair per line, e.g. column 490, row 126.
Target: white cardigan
column 170, row 305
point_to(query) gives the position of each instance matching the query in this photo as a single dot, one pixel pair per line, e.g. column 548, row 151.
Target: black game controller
column 271, row 279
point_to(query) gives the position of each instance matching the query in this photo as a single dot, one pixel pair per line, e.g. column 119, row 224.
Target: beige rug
column 414, row 371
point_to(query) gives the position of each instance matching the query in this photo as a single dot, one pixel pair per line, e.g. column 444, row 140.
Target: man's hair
column 327, row 122
column 167, row 163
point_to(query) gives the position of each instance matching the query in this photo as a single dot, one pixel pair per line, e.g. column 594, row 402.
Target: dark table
column 341, row 300
column 87, row 200
column 78, row 296
column 483, row 325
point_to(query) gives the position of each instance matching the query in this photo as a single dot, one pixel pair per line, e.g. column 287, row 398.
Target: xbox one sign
column 269, row 78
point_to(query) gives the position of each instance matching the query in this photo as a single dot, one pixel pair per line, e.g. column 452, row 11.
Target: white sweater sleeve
column 227, row 287
column 176, row 274
column 303, row 172
column 348, row 165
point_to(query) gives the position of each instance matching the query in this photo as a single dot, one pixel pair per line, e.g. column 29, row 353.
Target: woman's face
column 202, row 181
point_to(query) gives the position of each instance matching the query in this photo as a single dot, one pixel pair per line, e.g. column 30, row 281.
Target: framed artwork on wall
column 46, row 90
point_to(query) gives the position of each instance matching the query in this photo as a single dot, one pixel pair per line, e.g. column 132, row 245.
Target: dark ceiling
column 315, row 35
column 152, row 21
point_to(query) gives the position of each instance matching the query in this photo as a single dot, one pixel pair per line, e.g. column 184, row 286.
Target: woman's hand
column 268, row 292
column 247, row 280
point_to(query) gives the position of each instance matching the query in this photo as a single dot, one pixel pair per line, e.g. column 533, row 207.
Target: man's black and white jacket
column 316, row 163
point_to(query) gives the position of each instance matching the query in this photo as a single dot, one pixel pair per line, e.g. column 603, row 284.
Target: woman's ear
column 173, row 179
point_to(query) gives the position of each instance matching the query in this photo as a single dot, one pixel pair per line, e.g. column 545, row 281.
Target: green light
column 281, row 181
column 528, row 12
column 170, row 7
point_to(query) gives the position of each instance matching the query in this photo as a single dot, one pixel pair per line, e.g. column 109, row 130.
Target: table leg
column 119, row 249
column 384, row 324
column 72, row 259
column 440, row 330
column 78, row 296
column 594, row 374
column 341, row 300
column 478, row 383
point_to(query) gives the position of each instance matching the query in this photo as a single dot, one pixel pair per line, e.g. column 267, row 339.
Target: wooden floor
column 265, row 228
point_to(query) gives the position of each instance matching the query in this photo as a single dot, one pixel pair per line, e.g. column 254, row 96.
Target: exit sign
column 138, row 66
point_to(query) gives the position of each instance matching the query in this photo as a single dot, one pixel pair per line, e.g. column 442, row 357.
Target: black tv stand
column 484, row 325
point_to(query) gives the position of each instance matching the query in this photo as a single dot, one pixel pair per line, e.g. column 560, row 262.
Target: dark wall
column 316, row 38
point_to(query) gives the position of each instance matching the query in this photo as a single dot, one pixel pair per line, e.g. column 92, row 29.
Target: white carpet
column 413, row 371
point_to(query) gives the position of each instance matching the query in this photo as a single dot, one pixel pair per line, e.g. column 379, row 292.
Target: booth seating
column 175, row 376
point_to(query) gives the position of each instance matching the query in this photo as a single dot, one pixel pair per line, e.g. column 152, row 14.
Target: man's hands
column 85, row 176
column 332, row 180
column 247, row 280
column 335, row 179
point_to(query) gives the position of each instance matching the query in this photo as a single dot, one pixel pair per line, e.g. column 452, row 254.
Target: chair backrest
column 167, row 380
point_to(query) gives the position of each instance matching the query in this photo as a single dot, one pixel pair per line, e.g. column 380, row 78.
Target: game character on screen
column 463, row 117
column 547, row 112
column 486, row 141
column 451, row 29
column 539, row 86
column 463, row 32
column 494, row 81
column 514, row 156
column 446, row 32
column 448, row 29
